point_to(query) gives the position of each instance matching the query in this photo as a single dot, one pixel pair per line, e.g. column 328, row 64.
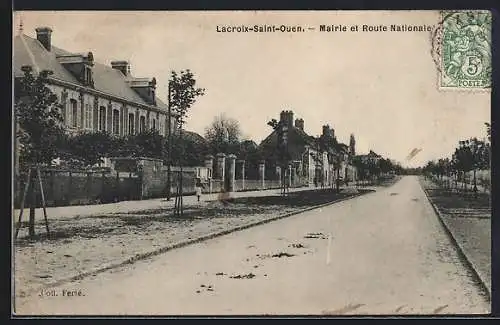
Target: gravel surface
column 469, row 221
column 381, row 253
column 83, row 243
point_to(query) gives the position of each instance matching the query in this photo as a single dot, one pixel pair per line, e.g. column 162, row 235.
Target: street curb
column 183, row 243
column 460, row 249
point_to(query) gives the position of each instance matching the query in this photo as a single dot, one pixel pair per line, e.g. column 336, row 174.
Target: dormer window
column 145, row 87
column 88, row 79
column 80, row 65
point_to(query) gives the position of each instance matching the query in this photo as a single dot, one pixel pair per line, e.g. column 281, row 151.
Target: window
column 64, row 108
column 88, row 117
column 154, row 124
column 96, row 118
column 166, row 126
column 82, row 116
column 102, row 118
column 74, row 113
column 116, row 122
column 131, row 122
column 89, row 76
column 142, row 124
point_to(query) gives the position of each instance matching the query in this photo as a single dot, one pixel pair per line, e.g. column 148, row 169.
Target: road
column 382, row 253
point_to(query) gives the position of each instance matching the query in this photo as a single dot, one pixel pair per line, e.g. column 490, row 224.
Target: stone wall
column 76, row 187
column 145, row 178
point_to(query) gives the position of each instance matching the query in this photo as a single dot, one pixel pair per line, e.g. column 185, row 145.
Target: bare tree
column 223, row 134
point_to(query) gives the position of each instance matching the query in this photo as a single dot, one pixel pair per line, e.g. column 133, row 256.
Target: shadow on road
column 296, row 199
column 153, row 219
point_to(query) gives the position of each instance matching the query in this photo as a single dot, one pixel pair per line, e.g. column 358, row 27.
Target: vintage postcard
column 251, row 163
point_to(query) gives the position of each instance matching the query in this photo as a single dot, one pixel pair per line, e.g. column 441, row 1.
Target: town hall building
column 95, row 96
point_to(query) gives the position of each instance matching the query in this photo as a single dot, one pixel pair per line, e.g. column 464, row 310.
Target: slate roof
column 297, row 140
column 249, row 143
column 194, row 137
column 29, row 51
column 371, row 155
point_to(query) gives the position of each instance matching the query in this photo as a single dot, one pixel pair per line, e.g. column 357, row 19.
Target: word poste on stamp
column 465, row 49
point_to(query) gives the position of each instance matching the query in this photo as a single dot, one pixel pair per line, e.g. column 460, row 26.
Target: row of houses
column 99, row 97
column 308, row 161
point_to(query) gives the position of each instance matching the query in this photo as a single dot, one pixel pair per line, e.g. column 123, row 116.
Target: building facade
column 94, row 96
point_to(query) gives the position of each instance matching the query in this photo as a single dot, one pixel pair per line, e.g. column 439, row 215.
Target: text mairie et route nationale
column 321, row 28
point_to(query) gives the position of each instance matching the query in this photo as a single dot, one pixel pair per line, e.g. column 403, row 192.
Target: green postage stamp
column 465, row 49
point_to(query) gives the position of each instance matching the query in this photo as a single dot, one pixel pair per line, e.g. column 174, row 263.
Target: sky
column 380, row 86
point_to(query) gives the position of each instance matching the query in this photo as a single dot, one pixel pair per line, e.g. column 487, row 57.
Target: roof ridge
column 112, row 81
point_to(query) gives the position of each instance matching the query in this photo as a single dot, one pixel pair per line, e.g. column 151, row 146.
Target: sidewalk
column 460, row 184
column 139, row 205
column 468, row 222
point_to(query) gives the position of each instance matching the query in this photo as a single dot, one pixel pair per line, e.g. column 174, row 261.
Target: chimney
column 289, row 118
column 44, row 35
column 283, row 115
column 299, row 124
column 122, row 66
column 326, row 130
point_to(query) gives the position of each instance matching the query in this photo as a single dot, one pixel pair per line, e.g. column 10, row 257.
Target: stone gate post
column 209, row 164
column 221, row 165
column 262, row 173
column 232, row 172
column 242, row 164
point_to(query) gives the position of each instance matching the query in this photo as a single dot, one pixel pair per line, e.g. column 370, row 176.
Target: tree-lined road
column 382, row 253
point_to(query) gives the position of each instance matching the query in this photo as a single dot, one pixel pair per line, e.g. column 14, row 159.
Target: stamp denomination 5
column 465, row 50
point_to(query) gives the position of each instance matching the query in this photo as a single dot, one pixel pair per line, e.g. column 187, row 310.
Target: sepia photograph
column 204, row 163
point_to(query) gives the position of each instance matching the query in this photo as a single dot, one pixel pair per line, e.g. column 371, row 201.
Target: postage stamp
column 465, row 50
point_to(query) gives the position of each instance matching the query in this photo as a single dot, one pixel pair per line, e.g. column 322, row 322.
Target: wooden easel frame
column 178, row 205
column 23, row 199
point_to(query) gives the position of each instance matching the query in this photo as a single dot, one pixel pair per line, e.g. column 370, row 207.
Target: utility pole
column 17, row 181
column 284, row 155
column 169, row 153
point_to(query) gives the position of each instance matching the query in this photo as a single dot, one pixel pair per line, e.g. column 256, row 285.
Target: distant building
column 249, row 144
column 301, row 146
column 373, row 156
column 309, row 164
